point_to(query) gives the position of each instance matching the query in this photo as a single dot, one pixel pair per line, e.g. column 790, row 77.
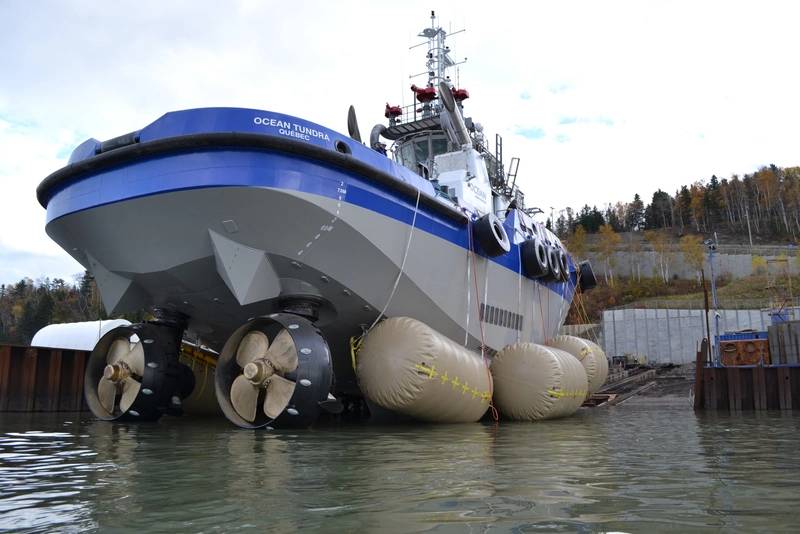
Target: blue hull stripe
column 248, row 168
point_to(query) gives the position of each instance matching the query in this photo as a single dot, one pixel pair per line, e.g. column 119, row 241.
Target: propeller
column 352, row 124
column 121, row 379
column 264, row 366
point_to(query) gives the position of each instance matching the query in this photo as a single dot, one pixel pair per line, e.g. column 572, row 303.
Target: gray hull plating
column 222, row 255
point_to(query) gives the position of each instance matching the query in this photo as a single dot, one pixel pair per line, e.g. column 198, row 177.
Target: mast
column 438, row 60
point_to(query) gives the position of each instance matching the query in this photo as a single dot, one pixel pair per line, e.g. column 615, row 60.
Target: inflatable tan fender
column 534, row 382
column 590, row 355
column 406, row 366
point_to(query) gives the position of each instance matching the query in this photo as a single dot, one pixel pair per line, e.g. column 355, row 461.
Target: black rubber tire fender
column 534, row 258
column 555, row 266
column 491, row 235
column 586, row 277
column 563, row 264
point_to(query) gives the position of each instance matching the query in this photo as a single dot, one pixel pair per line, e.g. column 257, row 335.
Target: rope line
column 541, row 311
column 519, row 288
column 469, row 296
column 486, row 363
column 402, row 265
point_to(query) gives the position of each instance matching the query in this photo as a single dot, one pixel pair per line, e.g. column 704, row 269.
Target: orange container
column 744, row 352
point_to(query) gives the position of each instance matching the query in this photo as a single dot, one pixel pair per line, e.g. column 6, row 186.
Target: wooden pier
column 736, row 389
column 41, row 380
column 745, row 387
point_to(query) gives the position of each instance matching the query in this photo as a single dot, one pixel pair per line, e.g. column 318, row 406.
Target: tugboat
column 277, row 242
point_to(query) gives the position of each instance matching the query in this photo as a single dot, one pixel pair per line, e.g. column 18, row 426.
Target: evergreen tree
column 634, row 220
column 712, row 202
column 659, row 213
column 570, row 220
column 612, row 219
column 86, row 284
column 561, row 226
column 683, row 207
column 590, row 218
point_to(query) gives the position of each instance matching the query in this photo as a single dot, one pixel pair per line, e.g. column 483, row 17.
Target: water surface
column 639, row 467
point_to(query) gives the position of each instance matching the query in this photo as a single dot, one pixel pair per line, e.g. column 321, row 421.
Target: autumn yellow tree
column 661, row 247
column 635, row 252
column 609, row 243
column 697, row 192
column 693, row 252
column 577, row 242
column 759, row 264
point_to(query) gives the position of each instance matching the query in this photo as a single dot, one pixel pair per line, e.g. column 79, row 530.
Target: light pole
column 712, row 247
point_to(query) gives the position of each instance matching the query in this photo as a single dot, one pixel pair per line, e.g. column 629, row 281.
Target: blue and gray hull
column 224, row 233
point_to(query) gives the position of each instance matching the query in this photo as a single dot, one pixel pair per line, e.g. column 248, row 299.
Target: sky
column 600, row 100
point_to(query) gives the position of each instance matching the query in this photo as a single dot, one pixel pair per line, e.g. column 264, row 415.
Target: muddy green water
column 641, row 467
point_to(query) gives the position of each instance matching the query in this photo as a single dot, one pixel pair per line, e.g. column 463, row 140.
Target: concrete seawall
column 737, row 265
column 670, row 336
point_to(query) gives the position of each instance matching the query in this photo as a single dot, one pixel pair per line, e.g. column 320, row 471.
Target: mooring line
column 519, row 290
column 469, row 290
column 402, row 265
column 486, row 362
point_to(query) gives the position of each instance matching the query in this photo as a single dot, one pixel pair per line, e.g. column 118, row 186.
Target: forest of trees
column 27, row 306
column 765, row 204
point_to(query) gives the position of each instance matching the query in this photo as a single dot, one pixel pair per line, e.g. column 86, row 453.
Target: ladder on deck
column 511, row 177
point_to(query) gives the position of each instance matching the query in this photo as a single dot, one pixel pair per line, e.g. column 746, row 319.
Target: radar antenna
column 439, row 59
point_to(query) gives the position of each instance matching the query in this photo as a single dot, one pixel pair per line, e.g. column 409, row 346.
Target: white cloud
column 663, row 93
column 18, row 264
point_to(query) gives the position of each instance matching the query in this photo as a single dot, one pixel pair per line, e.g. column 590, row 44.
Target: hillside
column 762, row 207
column 745, row 293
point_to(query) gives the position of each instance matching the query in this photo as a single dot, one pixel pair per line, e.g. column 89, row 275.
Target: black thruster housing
column 164, row 376
column 313, row 376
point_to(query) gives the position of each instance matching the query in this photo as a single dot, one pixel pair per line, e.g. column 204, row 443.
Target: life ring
column 534, row 258
column 491, row 235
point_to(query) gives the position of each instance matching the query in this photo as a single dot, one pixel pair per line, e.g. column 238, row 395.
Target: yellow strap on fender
column 431, row 373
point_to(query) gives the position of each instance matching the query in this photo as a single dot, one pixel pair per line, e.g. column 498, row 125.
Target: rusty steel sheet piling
column 748, row 388
column 41, row 380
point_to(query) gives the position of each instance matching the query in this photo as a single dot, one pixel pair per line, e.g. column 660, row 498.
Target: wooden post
column 29, row 378
column 77, row 374
column 734, row 389
column 708, row 325
column 759, row 389
column 710, row 387
column 699, row 364
column 784, row 388
column 54, row 381
column 5, row 376
column 75, row 383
